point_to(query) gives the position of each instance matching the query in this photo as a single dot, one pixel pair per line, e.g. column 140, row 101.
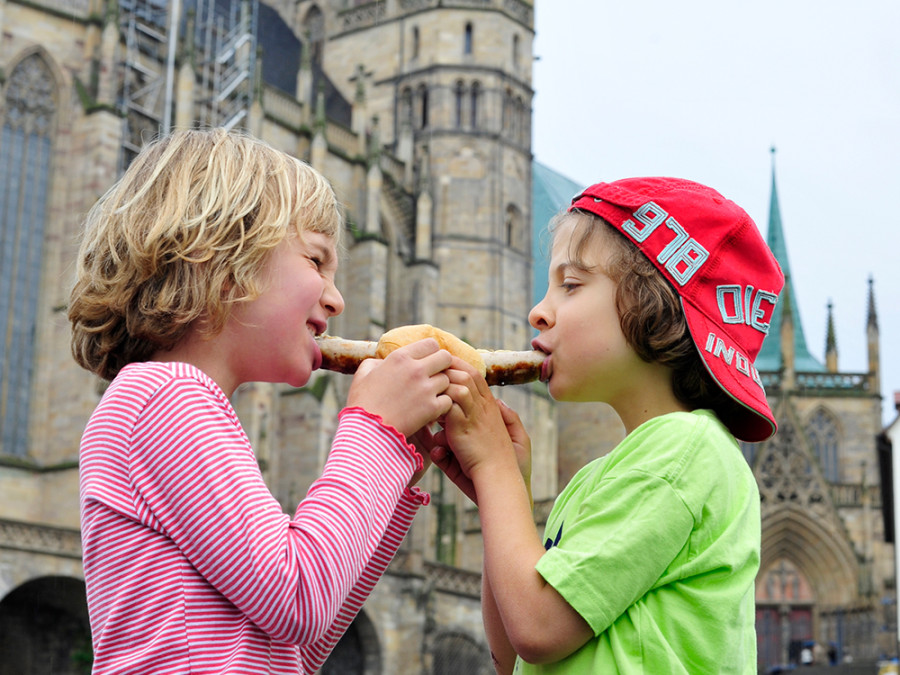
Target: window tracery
column 786, row 476
column 822, row 431
column 28, row 118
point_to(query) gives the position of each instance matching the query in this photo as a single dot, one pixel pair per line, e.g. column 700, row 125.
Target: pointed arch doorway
column 784, row 613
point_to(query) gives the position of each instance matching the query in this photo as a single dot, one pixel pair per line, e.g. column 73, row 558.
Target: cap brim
column 735, row 374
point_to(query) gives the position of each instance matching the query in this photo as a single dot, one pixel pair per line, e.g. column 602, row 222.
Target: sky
column 703, row 89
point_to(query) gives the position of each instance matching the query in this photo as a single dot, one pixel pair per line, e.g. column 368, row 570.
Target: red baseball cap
column 714, row 256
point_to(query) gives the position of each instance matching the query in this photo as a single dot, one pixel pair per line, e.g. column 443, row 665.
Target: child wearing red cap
column 660, row 295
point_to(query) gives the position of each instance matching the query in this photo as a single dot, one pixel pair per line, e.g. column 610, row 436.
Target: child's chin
column 560, row 392
column 300, row 382
column 298, row 378
column 556, row 392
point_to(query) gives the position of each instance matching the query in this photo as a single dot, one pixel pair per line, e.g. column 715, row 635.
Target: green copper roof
column 769, row 359
column 551, row 193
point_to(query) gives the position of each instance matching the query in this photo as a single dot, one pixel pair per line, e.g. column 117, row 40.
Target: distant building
column 419, row 112
column 827, row 567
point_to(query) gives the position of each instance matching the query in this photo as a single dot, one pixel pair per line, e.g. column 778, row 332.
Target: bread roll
column 404, row 335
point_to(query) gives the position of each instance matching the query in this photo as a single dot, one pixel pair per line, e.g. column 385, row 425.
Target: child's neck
column 205, row 354
column 651, row 397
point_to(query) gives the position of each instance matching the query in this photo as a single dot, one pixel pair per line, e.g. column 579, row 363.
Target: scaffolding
column 220, row 38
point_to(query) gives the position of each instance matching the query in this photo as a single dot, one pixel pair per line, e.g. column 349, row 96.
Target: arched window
column 454, row 653
column 25, row 154
column 422, row 96
column 515, row 51
column 347, row 657
column 416, row 41
column 406, row 106
column 357, row 652
column 822, row 431
column 50, row 617
column 506, row 113
column 314, row 27
column 468, row 39
column 460, row 94
column 476, row 94
column 520, row 127
column 515, row 235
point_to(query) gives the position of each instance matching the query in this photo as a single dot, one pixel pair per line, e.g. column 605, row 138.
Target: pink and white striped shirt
column 190, row 563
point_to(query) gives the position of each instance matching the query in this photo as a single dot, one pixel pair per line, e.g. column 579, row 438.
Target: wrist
column 501, row 477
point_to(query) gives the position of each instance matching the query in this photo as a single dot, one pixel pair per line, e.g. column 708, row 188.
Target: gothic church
column 419, row 112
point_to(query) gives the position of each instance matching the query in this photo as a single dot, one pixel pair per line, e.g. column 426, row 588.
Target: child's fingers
column 419, row 348
column 407, row 389
column 365, row 366
column 446, row 461
column 511, row 419
column 440, row 457
column 460, row 391
column 429, row 353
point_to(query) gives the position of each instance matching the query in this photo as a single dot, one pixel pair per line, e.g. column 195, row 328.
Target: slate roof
column 551, row 193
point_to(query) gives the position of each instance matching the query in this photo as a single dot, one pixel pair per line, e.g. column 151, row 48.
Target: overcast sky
column 702, row 89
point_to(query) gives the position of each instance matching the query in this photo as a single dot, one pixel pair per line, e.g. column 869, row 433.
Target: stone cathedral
column 419, row 112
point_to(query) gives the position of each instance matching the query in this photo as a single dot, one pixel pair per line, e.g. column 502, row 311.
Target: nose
column 332, row 300
column 539, row 316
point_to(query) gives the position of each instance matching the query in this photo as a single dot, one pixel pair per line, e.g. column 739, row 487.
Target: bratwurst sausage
column 499, row 367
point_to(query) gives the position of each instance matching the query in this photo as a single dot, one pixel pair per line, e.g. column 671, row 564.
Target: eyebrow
column 563, row 267
column 325, row 253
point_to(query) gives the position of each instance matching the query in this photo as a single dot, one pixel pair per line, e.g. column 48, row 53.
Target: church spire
column 872, row 314
column 770, row 357
column 831, row 352
column 872, row 335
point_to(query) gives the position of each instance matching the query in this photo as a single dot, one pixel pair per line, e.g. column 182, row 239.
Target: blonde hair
column 182, row 237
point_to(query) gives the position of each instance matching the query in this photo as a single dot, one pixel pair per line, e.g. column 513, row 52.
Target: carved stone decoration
column 58, row 541
column 30, row 102
column 787, row 475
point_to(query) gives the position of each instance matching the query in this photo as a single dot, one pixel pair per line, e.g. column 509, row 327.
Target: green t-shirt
column 656, row 546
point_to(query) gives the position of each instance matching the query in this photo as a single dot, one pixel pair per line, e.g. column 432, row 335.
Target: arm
column 386, row 388
column 502, row 653
column 526, row 605
column 315, row 654
column 198, row 484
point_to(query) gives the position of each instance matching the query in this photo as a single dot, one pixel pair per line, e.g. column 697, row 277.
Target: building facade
column 419, row 112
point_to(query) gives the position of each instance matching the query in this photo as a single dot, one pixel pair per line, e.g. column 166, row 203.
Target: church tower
column 446, row 87
column 825, row 564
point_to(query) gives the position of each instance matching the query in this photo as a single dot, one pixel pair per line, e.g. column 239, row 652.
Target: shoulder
column 676, row 437
column 150, row 376
column 140, row 385
column 687, row 450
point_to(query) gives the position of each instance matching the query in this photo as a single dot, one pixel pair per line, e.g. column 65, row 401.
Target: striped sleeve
column 197, row 482
column 314, row 655
column 386, row 509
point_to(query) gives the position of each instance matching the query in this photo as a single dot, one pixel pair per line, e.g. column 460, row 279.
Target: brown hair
column 650, row 312
column 182, row 237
